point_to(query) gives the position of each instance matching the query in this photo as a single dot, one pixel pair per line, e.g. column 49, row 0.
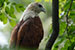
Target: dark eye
column 40, row 5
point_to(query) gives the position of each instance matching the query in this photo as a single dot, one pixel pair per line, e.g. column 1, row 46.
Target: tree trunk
column 55, row 24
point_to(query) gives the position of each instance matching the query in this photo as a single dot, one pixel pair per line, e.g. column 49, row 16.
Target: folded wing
column 27, row 34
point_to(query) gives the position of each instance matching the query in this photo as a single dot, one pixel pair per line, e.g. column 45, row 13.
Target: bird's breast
column 33, row 33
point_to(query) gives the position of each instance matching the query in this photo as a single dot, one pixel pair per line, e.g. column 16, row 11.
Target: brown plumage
column 28, row 33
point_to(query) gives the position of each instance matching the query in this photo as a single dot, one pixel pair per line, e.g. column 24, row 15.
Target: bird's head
column 36, row 7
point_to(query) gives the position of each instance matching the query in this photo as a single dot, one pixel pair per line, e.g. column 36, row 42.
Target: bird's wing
column 14, row 33
column 30, row 33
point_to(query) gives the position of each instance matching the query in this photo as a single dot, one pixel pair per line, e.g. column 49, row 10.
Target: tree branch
column 55, row 22
column 67, row 16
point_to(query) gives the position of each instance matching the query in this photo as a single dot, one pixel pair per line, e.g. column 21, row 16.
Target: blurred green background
column 10, row 14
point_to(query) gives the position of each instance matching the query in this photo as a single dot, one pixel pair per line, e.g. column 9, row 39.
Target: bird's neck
column 28, row 14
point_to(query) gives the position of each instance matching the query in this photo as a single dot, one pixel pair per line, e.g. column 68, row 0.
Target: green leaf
column 72, row 15
column 67, row 45
column 2, row 1
column 17, row 8
column 71, row 28
column 12, row 15
column 22, row 8
column 73, row 5
column 67, row 4
column 3, row 18
column 12, row 22
column 62, row 27
column 11, row 9
column 63, row 48
column 8, row 3
column 13, row 3
column 59, row 41
column 71, row 47
column 7, row 10
column 6, row 0
column 1, row 4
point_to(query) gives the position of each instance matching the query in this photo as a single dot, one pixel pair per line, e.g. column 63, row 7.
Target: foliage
column 68, row 36
column 7, row 11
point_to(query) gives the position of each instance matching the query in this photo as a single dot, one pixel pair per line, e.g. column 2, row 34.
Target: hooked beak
column 43, row 10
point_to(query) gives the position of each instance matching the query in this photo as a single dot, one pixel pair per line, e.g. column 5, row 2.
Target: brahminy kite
column 28, row 33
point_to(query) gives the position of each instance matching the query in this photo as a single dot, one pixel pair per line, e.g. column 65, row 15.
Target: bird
column 28, row 32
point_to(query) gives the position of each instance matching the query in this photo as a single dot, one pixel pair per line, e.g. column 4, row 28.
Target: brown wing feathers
column 14, row 34
column 27, row 33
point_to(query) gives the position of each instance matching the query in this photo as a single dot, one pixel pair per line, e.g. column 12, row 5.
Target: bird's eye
column 40, row 5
